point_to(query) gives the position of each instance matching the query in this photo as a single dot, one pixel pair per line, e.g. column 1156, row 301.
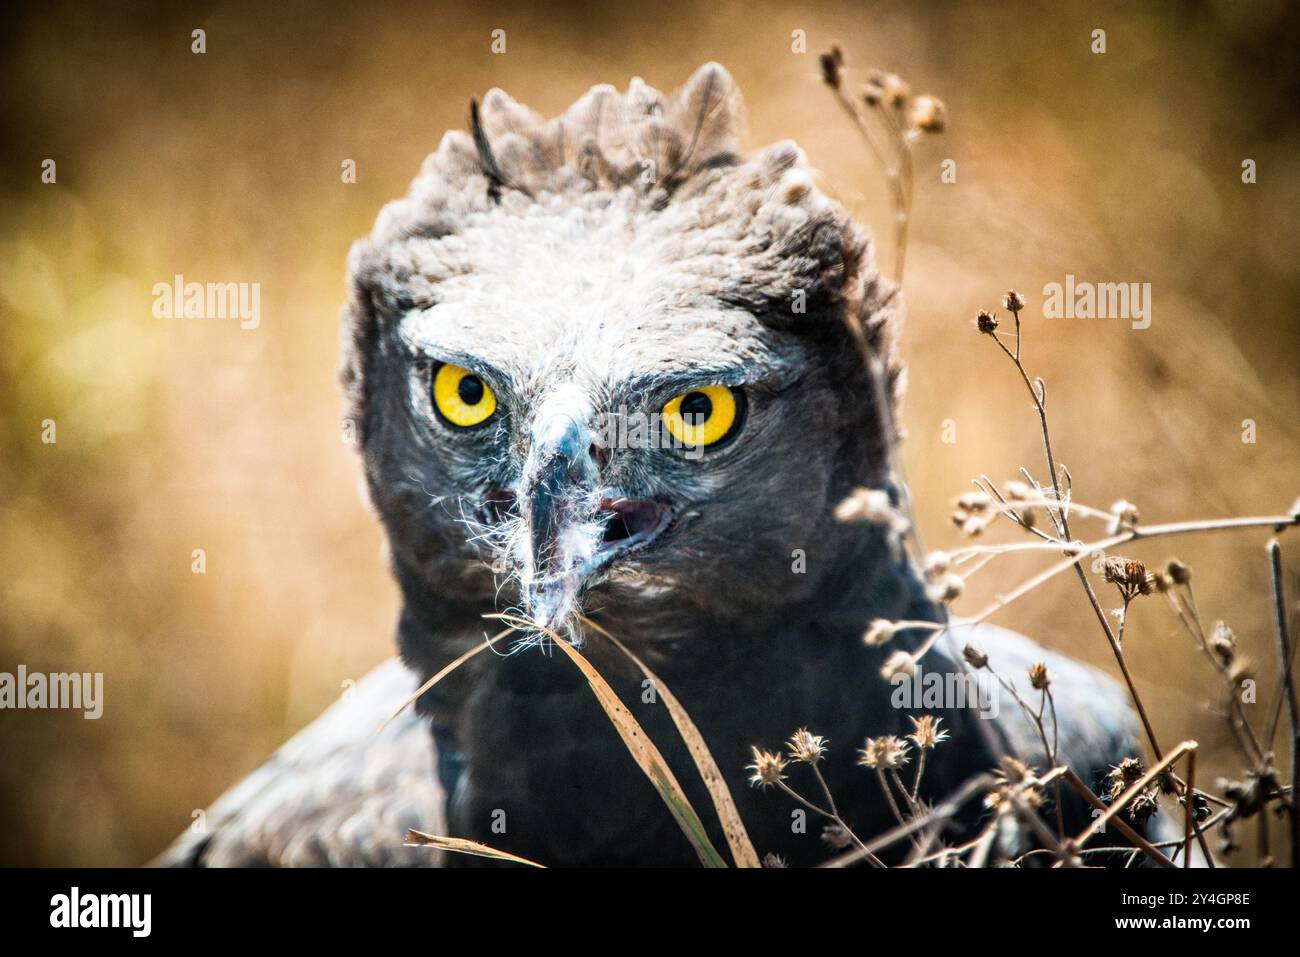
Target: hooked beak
column 573, row 524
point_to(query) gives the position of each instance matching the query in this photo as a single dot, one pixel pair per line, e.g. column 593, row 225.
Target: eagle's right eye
column 705, row 416
column 461, row 398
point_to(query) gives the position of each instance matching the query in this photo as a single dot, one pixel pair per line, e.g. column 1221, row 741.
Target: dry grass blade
column 742, row 849
column 442, row 674
column 639, row 745
column 459, row 845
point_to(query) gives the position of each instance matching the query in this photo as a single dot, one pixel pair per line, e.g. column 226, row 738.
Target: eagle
column 607, row 371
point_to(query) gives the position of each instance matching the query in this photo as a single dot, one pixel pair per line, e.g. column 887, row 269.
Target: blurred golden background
column 179, row 435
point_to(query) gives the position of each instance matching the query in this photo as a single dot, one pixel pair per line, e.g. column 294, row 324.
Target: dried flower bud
column 974, row 502
column 1143, row 807
column 1013, row 301
column 1018, row 491
column 974, row 657
column 836, row 837
column 1124, row 515
column 878, row 633
column 1129, row 575
column 1015, row 780
column 869, row 505
column 938, row 562
column 986, row 322
column 1123, row 776
column 1180, row 574
column 1013, row 770
column 899, row 663
column 1039, row 676
column 927, row 113
column 767, row 768
column 1223, row 643
column 896, row 90
column 946, row 589
column 832, row 68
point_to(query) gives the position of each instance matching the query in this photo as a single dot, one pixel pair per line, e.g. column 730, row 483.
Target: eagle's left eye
column 462, row 398
column 705, row 416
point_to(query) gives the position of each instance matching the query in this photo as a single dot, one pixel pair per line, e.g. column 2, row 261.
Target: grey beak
column 558, row 494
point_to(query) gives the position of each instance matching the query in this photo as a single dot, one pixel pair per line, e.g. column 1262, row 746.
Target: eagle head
column 606, row 363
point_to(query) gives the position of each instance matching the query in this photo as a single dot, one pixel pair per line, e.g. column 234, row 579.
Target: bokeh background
column 176, row 435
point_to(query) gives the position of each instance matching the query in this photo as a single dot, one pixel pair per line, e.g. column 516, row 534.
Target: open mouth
column 630, row 522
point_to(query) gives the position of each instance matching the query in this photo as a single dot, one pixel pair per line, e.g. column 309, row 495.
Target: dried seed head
column 974, row 502
column 1013, row 770
column 832, row 68
column 1123, row 776
column 806, row 747
column 1040, row 677
column 836, row 837
column 896, row 90
column 926, row 732
column 974, row 657
column 767, row 768
column 926, row 113
column 973, row 513
column 1015, row 779
column 884, row 753
column 1018, row 491
column 1179, row 573
column 869, row 505
column 872, row 94
column 878, row 632
column 1143, row 807
column 774, row 860
column 899, row 663
column 1124, row 516
column 1223, row 643
column 986, row 322
column 938, row 562
column 946, row 589
column 1129, row 575
column 1013, row 301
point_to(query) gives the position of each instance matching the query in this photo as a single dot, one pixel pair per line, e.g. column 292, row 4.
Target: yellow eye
column 704, row 416
column 461, row 397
